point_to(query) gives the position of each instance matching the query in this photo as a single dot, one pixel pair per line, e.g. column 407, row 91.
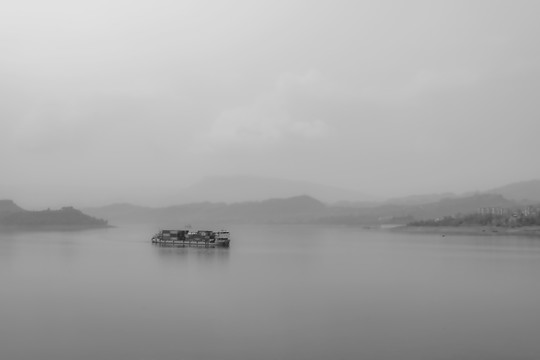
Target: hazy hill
column 420, row 199
column 294, row 209
column 396, row 213
column 249, row 188
column 14, row 217
column 298, row 209
column 8, row 207
column 525, row 191
column 304, row 208
column 123, row 212
column 464, row 205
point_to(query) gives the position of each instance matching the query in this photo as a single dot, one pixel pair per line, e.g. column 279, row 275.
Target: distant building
column 530, row 211
column 493, row 211
column 516, row 212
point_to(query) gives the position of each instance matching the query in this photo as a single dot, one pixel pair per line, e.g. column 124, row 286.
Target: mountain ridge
column 231, row 189
column 307, row 208
column 270, row 210
column 523, row 191
column 299, row 209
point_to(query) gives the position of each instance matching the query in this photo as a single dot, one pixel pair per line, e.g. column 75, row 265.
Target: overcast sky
column 118, row 100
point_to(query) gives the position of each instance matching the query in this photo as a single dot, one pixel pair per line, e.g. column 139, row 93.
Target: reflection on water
column 279, row 292
column 206, row 252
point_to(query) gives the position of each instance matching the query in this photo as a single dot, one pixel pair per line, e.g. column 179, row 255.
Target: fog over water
column 279, row 292
column 128, row 101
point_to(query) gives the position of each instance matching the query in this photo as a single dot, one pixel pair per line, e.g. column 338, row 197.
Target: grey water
column 279, row 292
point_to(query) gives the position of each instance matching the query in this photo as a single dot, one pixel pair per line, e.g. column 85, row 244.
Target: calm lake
column 279, row 292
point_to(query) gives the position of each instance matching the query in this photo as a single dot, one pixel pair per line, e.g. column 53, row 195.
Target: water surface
column 279, row 292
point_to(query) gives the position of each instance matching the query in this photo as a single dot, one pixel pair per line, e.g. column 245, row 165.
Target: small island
column 15, row 218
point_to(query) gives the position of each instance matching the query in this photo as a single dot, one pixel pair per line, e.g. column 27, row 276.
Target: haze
column 108, row 101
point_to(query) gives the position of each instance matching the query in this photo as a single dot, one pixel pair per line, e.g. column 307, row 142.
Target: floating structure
column 194, row 238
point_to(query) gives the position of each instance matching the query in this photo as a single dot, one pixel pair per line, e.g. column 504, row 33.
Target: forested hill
column 13, row 217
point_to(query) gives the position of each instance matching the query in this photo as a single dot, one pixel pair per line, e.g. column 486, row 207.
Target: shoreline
column 469, row 230
column 51, row 228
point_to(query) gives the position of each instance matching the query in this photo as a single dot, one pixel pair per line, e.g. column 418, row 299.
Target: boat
column 189, row 237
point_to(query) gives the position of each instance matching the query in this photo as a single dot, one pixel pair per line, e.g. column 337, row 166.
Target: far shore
column 51, row 228
column 469, row 230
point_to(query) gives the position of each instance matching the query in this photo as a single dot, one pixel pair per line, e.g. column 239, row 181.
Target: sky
column 127, row 100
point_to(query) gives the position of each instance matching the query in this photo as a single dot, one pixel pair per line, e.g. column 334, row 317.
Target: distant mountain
column 13, row 217
column 421, row 199
column 298, row 209
column 525, row 191
column 402, row 213
column 294, row 209
column 463, row 205
column 249, row 188
column 122, row 211
column 8, row 207
column 287, row 210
